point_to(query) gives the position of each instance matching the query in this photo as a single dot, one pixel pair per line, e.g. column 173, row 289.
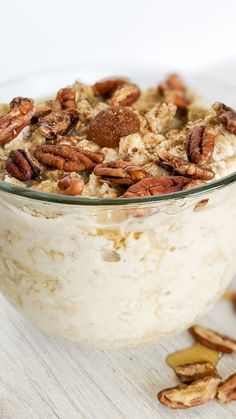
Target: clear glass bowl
column 114, row 273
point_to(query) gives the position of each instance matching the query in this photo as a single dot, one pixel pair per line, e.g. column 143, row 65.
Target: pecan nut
column 109, row 125
column 213, row 339
column 191, row 395
column 172, row 163
column 125, row 95
column 177, row 99
column 227, row 390
column 200, row 144
column 120, row 172
column 66, row 97
column 40, row 112
column 191, row 372
column 19, row 115
column 173, row 91
column 173, row 82
column 106, row 87
column 68, row 158
column 69, row 185
column 156, row 185
column 60, row 122
column 21, row 165
column 227, row 116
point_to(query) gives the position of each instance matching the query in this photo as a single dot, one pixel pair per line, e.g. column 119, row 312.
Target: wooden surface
column 41, row 378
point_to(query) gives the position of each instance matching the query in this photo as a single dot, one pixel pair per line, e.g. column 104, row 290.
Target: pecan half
column 183, row 167
column 156, row 185
column 173, row 91
column 120, row 172
column 173, row 82
column 191, row 372
column 55, row 123
column 200, row 144
column 213, row 339
column 40, row 112
column 68, row 158
column 227, row 390
column 194, row 394
column 21, row 165
column 66, row 98
column 107, row 86
column 178, row 99
column 125, row 95
column 20, row 114
column 108, row 126
column 227, row 116
column 69, row 185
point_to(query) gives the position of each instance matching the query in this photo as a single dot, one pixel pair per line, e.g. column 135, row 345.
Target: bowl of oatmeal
column 118, row 207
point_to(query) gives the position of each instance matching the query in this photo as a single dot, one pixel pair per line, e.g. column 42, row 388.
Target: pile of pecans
column 69, row 119
column 201, row 382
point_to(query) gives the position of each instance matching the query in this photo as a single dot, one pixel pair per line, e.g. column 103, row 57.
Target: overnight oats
column 117, row 210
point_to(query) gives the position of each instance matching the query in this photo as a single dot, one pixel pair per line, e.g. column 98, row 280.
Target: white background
column 175, row 35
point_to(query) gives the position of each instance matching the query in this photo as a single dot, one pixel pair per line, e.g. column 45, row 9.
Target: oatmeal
column 87, row 131
column 117, row 275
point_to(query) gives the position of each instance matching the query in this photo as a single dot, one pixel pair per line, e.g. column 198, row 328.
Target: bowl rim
column 31, row 194
column 85, row 201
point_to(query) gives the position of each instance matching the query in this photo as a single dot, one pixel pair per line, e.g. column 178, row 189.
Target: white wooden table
column 41, row 378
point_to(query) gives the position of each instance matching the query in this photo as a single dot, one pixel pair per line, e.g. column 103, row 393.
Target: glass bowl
column 115, row 273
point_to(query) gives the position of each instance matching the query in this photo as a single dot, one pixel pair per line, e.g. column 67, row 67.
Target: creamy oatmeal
column 112, row 140
column 108, row 275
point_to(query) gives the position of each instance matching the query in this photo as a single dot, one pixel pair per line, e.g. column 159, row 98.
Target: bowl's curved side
column 118, row 277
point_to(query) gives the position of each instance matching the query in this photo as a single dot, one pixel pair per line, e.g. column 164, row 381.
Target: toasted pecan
column 156, row 185
column 172, row 82
column 213, row 339
column 191, row 372
column 172, row 163
column 119, row 172
column 173, row 90
column 19, row 115
column 40, row 111
column 125, row 95
column 227, row 390
column 227, row 116
column 21, row 165
column 68, row 158
column 191, row 395
column 69, row 185
column 106, row 87
column 200, row 143
column 59, row 122
column 66, row 98
column 178, row 99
